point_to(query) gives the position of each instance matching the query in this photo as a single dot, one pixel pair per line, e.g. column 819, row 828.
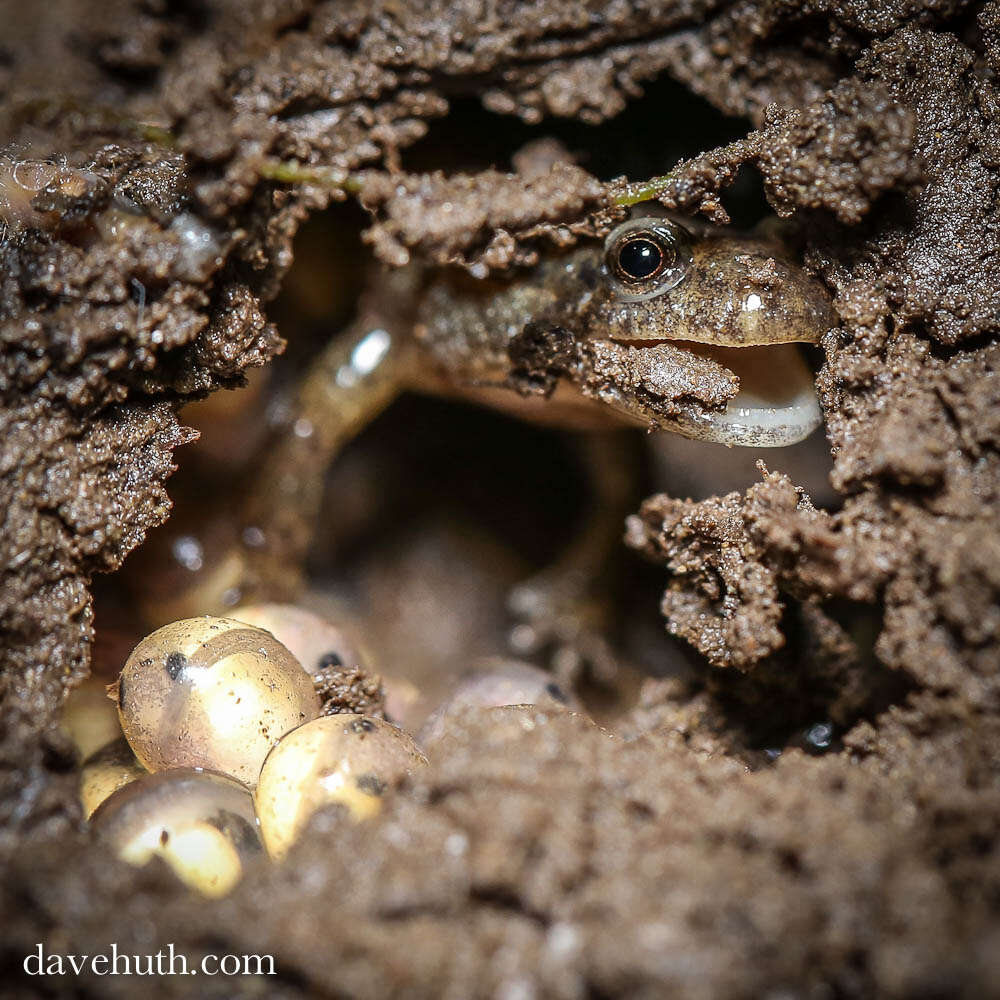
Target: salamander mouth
column 776, row 404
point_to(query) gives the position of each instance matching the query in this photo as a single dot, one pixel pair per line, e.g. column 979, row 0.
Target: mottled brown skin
column 710, row 305
column 628, row 347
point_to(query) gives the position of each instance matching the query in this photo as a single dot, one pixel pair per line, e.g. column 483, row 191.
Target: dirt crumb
column 349, row 688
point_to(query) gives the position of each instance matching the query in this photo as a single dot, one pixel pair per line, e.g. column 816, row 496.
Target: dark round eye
column 639, row 257
column 647, row 256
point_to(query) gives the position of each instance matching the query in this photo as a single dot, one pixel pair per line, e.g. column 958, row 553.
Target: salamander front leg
column 352, row 381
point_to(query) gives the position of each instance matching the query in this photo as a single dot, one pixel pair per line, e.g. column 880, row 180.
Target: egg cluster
column 218, row 748
column 214, row 747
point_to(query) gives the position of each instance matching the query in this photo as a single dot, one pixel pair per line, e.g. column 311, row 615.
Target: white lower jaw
column 775, row 406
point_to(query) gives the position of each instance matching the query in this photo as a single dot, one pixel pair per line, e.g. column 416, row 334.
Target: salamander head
column 718, row 310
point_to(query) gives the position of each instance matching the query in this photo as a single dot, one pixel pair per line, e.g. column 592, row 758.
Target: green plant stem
column 639, row 191
column 157, row 135
column 293, row 172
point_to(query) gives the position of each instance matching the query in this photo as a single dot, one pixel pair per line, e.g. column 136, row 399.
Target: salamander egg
column 340, row 759
column 499, row 682
column 213, row 693
column 319, row 645
column 88, row 718
column 313, row 641
column 107, row 770
column 202, row 824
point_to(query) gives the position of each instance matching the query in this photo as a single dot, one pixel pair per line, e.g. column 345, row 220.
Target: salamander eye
column 647, row 256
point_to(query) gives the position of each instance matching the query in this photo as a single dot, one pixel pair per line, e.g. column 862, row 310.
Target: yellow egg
column 314, row 642
column 347, row 760
column 201, row 823
column 88, row 718
column 107, row 770
column 213, row 693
